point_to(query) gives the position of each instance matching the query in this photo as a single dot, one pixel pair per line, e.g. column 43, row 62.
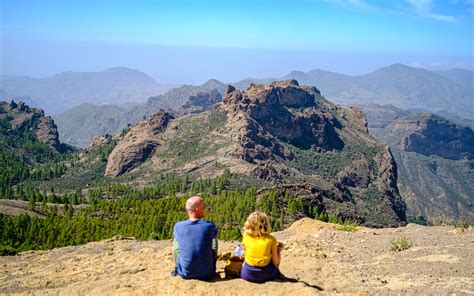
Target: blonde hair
column 257, row 225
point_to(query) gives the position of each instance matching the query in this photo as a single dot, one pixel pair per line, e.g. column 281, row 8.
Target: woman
column 262, row 251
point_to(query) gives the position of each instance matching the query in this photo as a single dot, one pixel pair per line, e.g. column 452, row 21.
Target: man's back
column 196, row 259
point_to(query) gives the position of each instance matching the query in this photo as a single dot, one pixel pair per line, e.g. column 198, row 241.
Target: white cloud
column 423, row 8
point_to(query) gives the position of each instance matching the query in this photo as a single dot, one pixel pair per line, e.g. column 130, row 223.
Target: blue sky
column 42, row 37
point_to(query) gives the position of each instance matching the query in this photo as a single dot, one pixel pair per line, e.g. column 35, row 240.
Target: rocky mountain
column 19, row 118
column 448, row 92
column 399, row 85
column 430, row 134
column 185, row 99
column 68, row 89
column 281, row 134
column 30, row 149
column 434, row 158
column 79, row 125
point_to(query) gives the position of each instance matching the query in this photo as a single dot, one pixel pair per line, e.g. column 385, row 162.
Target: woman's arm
column 275, row 255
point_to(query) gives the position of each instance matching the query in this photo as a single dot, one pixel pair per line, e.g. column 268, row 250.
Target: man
column 195, row 243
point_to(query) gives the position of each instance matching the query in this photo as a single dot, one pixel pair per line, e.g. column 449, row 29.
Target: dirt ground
column 11, row 207
column 14, row 207
column 317, row 257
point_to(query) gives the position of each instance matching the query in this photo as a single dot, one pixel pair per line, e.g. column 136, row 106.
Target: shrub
column 349, row 226
column 400, row 244
column 7, row 251
column 154, row 236
column 461, row 225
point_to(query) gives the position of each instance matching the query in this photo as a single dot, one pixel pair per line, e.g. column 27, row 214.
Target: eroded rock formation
column 23, row 117
column 137, row 145
column 433, row 135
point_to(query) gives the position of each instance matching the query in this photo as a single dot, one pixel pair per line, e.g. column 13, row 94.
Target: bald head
column 195, row 207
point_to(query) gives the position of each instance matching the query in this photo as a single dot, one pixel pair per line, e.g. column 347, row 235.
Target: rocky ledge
column 317, row 258
column 137, row 145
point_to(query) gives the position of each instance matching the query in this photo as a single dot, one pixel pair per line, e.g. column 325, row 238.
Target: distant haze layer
column 195, row 65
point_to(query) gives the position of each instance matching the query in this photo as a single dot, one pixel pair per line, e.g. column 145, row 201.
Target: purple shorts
column 259, row 274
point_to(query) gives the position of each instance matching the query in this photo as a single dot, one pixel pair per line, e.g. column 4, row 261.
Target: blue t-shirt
column 196, row 259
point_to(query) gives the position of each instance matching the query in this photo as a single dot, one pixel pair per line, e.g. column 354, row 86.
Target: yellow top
column 258, row 250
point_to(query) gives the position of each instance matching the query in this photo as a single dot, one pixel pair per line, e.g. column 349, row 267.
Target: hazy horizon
column 191, row 42
column 237, row 63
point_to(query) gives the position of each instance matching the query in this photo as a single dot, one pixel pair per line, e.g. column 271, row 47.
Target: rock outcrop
column 430, row 134
column 137, row 145
column 200, row 102
column 23, row 118
column 281, row 134
column 268, row 116
column 289, row 112
column 101, row 141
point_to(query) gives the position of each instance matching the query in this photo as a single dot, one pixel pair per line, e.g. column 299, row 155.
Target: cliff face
column 282, row 134
column 288, row 112
column 434, row 161
column 137, row 145
column 22, row 117
column 433, row 135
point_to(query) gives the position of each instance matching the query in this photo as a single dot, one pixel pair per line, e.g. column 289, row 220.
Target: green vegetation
column 329, row 163
column 346, row 224
column 371, row 193
column 417, row 220
column 349, row 226
column 24, row 158
column 147, row 213
column 86, row 170
column 194, row 137
column 461, row 225
column 400, row 244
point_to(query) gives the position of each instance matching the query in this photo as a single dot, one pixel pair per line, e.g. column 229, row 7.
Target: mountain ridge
column 397, row 84
column 68, row 89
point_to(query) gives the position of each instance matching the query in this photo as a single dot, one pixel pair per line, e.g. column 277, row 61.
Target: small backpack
column 233, row 267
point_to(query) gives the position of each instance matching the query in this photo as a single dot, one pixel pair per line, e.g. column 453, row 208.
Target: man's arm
column 175, row 247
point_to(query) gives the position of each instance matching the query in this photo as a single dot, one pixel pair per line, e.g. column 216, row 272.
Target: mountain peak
column 213, row 83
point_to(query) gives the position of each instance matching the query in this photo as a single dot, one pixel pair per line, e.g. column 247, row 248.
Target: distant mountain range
column 448, row 93
column 79, row 125
column 69, row 89
column 443, row 92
